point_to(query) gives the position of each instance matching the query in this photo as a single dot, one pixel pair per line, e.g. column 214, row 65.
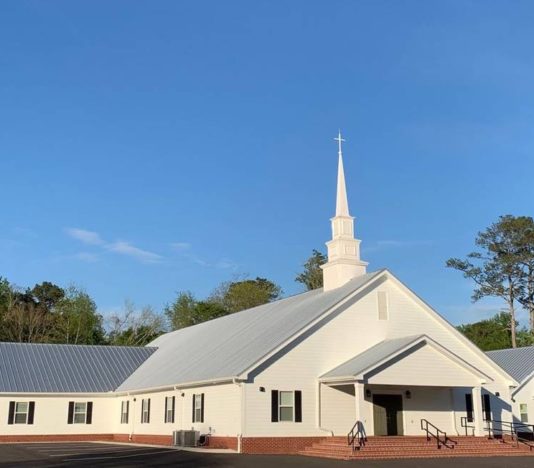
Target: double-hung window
column 80, row 412
column 145, row 410
column 169, row 409
column 198, row 407
column 21, row 412
column 286, row 406
column 125, row 410
column 523, row 412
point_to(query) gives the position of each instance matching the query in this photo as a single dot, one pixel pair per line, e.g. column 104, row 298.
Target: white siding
column 51, row 413
column 426, row 366
column 222, row 411
column 525, row 395
column 338, row 408
column 350, row 333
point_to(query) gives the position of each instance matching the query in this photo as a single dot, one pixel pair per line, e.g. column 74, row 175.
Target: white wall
column 51, row 414
column 338, row 408
column 525, row 395
column 350, row 333
column 222, row 411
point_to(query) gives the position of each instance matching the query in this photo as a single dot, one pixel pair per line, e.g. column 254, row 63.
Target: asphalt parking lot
column 122, row 455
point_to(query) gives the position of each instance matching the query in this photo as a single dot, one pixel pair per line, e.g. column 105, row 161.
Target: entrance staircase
column 382, row 447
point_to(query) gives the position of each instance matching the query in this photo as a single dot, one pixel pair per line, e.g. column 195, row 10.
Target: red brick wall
column 144, row 439
column 57, row 438
column 276, row 444
column 223, row 442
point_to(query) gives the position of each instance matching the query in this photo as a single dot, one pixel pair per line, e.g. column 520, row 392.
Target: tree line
column 502, row 267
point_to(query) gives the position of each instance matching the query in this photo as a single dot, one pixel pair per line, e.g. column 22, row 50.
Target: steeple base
column 337, row 273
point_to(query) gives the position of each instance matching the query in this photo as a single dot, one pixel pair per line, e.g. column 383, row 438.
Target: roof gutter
column 199, row 383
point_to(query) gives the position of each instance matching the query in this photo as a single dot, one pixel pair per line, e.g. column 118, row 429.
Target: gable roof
column 382, row 353
column 226, row 347
column 518, row 362
column 371, row 357
column 58, row 368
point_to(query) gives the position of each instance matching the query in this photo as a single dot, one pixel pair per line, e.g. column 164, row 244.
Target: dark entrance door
column 387, row 412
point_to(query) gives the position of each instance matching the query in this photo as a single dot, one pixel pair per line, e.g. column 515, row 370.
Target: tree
column 46, row 294
column 312, row 276
column 496, row 269
column 240, row 295
column 76, row 320
column 494, row 333
column 134, row 328
column 186, row 311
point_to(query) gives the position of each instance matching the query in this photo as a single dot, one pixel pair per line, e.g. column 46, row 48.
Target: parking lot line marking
column 118, row 456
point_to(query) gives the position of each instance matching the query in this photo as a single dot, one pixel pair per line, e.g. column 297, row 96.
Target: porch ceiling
column 413, row 360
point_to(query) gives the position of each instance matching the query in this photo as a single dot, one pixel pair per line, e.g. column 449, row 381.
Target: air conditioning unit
column 185, row 438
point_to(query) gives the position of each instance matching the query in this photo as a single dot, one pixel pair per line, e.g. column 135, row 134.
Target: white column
column 477, row 411
column 361, row 407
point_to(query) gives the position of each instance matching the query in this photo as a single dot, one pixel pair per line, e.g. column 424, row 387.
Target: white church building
column 362, row 357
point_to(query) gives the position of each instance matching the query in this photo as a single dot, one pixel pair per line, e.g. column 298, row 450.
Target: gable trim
column 436, row 316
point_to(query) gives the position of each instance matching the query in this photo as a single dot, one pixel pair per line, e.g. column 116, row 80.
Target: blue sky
column 152, row 147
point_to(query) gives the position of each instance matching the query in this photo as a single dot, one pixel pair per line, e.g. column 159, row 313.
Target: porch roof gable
column 384, row 353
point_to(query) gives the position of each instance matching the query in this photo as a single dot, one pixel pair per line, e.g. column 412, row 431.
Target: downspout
column 243, row 418
column 319, row 419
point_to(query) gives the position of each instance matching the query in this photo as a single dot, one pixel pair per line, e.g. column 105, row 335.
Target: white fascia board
column 244, row 374
column 523, row 383
column 430, row 342
column 58, row 394
column 434, row 314
column 200, row 383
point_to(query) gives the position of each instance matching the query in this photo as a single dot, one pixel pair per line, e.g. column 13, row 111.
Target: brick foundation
column 223, row 442
column 285, row 445
column 58, row 438
column 151, row 439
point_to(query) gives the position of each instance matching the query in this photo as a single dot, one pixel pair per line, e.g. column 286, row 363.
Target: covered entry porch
column 394, row 385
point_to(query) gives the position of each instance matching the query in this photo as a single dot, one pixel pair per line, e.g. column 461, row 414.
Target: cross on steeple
column 339, row 140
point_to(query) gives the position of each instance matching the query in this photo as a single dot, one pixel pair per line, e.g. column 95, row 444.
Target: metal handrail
column 512, row 429
column 441, row 442
column 464, row 420
column 356, row 433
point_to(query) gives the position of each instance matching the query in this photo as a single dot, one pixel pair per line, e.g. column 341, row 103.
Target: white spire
column 344, row 261
column 342, row 205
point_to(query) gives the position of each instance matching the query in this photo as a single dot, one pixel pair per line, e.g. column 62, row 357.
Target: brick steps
column 412, row 447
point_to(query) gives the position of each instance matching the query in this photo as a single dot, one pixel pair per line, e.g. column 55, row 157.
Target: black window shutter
column 142, row 407
column 274, row 405
column 89, row 414
column 11, row 416
column 486, row 407
column 31, row 412
column 193, row 417
column 165, row 410
column 127, row 410
column 202, row 407
column 70, row 418
column 148, row 408
column 469, row 406
column 173, row 406
column 298, row 406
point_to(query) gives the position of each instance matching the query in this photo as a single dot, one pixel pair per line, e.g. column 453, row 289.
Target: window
column 382, row 300
column 80, row 412
column 523, row 412
column 169, row 409
column 286, row 406
column 125, row 410
column 145, row 410
column 21, row 412
column 198, row 407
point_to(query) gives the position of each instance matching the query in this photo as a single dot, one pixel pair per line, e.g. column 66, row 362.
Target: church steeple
column 343, row 250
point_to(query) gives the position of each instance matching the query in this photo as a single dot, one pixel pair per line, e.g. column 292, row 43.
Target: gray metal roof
column 28, row 367
column 228, row 346
column 518, row 362
column 371, row 357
